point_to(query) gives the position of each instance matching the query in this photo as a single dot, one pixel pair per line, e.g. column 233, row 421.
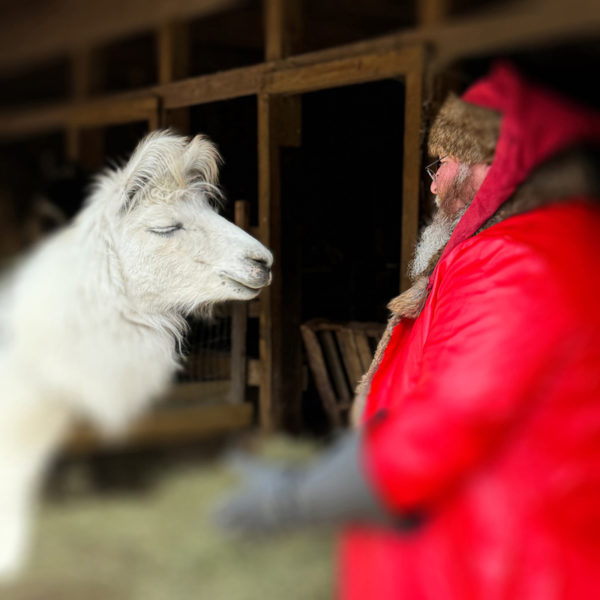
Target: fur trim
column 408, row 304
column 464, row 131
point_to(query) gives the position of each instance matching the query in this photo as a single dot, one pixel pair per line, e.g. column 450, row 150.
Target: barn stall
column 319, row 110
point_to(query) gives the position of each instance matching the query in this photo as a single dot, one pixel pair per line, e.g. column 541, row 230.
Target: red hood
column 536, row 124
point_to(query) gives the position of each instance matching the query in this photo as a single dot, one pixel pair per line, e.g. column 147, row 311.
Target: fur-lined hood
column 536, row 125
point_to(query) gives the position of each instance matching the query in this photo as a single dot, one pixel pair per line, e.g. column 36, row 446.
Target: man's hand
column 332, row 490
column 266, row 500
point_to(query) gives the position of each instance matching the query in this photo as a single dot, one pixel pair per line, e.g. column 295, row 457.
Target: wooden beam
column 411, row 164
column 522, row 26
column 109, row 110
column 114, row 111
column 339, row 72
column 519, row 26
column 169, row 426
column 58, row 27
column 234, row 83
column 30, row 122
column 525, row 25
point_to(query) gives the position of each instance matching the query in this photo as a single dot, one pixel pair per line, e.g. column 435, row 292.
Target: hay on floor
column 160, row 544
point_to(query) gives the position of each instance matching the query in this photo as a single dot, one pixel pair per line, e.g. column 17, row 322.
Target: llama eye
column 168, row 230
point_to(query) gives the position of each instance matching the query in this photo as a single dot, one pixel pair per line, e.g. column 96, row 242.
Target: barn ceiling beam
column 515, row 29
column 39, row 30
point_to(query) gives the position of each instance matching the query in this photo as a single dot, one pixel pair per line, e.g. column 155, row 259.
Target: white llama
column 91, row 320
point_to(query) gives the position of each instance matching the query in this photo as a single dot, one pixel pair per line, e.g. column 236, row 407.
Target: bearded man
column 475, row 469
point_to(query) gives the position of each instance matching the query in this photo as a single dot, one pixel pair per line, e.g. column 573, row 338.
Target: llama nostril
column 262, row 263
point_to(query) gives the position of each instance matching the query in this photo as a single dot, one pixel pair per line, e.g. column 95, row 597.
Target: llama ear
column 156, row 155
column 202, row 160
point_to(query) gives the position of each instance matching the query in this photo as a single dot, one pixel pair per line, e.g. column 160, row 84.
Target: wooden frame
column 274, row 130
column 411, row 55
column 338, row 355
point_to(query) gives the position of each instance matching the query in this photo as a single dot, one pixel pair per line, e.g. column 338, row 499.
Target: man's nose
column 433, row 187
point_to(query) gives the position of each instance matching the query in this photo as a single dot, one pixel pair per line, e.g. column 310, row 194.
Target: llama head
column 174, row 250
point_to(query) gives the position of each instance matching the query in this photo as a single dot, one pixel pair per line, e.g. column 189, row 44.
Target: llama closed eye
column 166, row 231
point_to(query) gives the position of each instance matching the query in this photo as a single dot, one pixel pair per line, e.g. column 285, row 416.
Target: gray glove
column 331, row 491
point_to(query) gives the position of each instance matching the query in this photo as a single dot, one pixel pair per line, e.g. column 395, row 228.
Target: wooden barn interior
column 320, row 111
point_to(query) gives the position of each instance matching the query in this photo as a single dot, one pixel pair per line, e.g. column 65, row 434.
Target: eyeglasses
column 432, row 168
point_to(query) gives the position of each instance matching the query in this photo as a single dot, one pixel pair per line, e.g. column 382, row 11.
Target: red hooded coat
column 484, row 414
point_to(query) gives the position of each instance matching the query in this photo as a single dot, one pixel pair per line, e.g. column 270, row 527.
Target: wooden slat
column 365, row 355
column 319, row 371
column 335, row 366
column 175, row 425
column 347, row 364
column 349, row 352
column 269, row 219
column 239, row 323
column 411, row 164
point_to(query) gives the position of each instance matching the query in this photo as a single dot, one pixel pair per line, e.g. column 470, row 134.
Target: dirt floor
column 160, row 544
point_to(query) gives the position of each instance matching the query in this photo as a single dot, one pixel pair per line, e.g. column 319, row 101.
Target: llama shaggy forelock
column 90, row 321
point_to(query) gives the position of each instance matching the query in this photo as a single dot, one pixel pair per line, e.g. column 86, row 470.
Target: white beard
column 433, row 238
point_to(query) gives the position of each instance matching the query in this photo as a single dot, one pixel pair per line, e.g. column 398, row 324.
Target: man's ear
column 155, row 156
column 479, row 172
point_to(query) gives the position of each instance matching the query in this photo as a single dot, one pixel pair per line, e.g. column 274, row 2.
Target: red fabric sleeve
column 487, row 358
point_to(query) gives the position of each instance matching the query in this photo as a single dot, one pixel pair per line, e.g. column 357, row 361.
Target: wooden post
column 173, row 62
column 278, row 125
column 411, row 165
column 85, row 146
column 283, row 28
column 239, row 322
column 431, row 12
